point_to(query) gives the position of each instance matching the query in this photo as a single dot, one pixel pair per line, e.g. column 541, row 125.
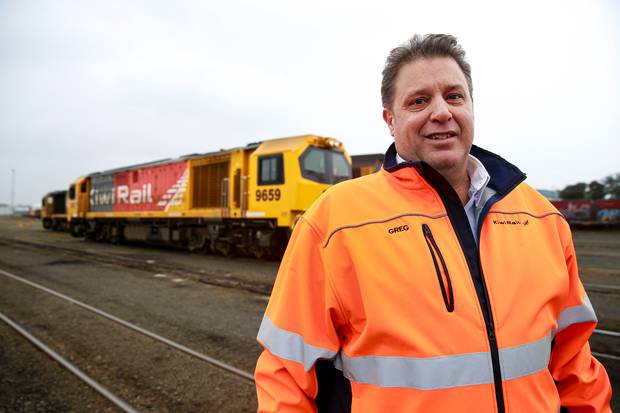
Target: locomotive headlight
column 327, row 142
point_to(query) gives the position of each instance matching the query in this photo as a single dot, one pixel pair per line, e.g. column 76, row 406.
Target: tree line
column 608, row 187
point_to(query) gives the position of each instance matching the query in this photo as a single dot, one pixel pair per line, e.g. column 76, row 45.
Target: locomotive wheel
column 47, row 223
column 209, row 248
column 115, row 233
column 101, row 233
column 197, row 243
column 225, row 248
column 76, row 230
column 261, row 253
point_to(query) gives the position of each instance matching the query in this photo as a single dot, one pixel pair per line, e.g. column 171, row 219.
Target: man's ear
column 389, row 120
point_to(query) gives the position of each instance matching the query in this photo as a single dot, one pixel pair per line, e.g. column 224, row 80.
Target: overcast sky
column 93, row 85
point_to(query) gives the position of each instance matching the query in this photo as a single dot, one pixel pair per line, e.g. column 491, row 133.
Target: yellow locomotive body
column 366, row 164
column 243, row 200
column 77, row 204
column 53, row 210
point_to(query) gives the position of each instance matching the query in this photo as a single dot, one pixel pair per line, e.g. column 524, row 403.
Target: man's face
column 432, row 116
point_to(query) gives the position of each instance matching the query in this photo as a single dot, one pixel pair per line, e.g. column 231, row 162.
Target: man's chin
column 443, row 164
column 448, row 165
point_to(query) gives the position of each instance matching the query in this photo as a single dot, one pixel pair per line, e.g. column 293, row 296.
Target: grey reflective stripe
column 420, row 373
column 447, row 371
column 291, row 346
column 429, row 373
column 582, row 313
column 524, row 360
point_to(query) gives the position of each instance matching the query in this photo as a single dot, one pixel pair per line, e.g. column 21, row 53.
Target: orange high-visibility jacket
column 384, row 280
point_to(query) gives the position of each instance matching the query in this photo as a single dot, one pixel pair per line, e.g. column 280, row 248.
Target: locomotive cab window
column 326, row 166
column 72, row 192
column 271, row 170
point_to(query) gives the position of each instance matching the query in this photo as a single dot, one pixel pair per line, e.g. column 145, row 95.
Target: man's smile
column 441, row 136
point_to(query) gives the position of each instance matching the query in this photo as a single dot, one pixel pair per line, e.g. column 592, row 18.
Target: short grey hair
column 419, row 47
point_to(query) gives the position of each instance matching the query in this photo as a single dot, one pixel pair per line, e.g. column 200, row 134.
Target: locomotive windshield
column 326, row 166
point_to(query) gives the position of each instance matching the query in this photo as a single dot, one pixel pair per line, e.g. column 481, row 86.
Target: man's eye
column 455, row 96
column 417, row 102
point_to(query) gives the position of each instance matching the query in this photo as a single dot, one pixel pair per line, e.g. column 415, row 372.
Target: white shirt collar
column 478, row 177
column 399, row 160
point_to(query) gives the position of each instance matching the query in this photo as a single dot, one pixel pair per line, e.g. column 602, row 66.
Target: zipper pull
column 426, row 229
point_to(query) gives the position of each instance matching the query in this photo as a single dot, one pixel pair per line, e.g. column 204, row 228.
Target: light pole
column 12, row 191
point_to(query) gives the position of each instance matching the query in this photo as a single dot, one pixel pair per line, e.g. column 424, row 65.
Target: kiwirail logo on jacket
column 511, row 222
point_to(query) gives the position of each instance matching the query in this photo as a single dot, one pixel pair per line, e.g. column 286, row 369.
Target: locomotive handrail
column 224, row 199
column 244, row 195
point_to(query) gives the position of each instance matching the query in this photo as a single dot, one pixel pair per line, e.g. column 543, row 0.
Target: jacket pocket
column 443, row 276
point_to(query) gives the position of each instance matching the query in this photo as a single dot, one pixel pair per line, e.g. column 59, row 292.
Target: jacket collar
column 504, row 175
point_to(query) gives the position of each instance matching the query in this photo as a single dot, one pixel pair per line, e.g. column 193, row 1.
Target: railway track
column 95, row 385
column 212, row 278
column 228, row 280
column 203, row 357
column 602, row 288
column 610, row 335
column 99, row 388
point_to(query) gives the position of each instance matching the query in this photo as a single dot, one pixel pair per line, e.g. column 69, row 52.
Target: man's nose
column 440, row 110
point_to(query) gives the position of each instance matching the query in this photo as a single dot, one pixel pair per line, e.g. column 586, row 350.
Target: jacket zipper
column 471, row 250
column 497, row 375
column 475, row 269
column 447, row 294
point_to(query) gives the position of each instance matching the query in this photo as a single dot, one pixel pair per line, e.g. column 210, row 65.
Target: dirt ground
column 219, row 322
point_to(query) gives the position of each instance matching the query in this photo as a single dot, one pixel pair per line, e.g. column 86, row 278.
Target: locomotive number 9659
column 268, row 195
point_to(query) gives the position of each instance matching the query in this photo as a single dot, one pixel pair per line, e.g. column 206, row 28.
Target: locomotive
column 54, row 211
column 243, row 200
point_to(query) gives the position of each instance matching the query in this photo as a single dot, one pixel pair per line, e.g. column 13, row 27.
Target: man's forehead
column 429, row 72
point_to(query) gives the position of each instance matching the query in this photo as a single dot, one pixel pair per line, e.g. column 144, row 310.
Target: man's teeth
column 440, row 136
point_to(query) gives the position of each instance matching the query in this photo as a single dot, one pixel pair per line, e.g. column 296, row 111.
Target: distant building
column 5, row 209
column 22, row 209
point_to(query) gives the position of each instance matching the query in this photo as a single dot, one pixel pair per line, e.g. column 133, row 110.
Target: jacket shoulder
column 349, row 202
column 529, row 200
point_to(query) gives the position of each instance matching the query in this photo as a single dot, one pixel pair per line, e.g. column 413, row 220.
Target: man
column 442, row 283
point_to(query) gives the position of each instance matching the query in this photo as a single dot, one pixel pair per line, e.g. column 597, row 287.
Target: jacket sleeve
column 300, row 326
column 582, row 382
